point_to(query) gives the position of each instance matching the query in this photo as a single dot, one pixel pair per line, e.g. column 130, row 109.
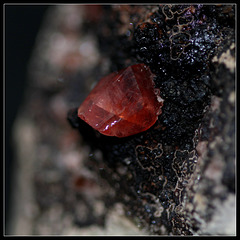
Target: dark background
column 21, row 23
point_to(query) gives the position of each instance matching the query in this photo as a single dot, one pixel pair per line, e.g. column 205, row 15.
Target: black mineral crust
column 156, row 173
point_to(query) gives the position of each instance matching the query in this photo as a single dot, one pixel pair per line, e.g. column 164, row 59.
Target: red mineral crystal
column 123, row 103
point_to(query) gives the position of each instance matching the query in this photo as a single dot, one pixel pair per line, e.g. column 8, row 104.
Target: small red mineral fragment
column 123, row 103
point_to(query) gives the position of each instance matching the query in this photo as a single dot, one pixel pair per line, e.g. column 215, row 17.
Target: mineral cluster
column 157, row 174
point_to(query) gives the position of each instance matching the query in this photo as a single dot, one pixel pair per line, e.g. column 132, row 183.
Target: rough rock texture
column 178, row 177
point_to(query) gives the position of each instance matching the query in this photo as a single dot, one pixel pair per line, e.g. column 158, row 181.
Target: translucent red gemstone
column 123, row 103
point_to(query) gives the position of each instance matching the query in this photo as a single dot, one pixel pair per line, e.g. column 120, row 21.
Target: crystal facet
column 123, row 103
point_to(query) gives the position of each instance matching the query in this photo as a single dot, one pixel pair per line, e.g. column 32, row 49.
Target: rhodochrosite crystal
column 123, row 103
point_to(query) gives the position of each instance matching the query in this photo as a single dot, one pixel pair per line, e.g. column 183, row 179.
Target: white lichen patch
column 227, row 59
column 232, row 97
column 224, row 219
